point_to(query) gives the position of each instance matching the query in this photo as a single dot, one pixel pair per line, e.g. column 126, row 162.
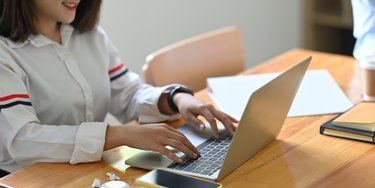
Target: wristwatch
column 173, row 91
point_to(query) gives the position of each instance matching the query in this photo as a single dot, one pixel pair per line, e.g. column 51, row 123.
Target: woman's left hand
column 191, row 107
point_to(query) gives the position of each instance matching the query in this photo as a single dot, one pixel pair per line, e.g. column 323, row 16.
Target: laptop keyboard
column 212, row 155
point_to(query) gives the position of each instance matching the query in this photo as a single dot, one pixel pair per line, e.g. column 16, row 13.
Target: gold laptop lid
column 264, row 116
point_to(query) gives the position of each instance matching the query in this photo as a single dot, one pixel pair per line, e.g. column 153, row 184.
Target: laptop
column 260, row 124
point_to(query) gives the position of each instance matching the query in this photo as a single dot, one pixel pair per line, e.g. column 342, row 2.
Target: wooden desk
column 300, row 157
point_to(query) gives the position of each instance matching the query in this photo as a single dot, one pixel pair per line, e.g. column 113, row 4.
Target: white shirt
column 364, row 28
column 54, row 98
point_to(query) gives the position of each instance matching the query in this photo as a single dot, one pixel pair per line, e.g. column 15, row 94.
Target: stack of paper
column 318, row 93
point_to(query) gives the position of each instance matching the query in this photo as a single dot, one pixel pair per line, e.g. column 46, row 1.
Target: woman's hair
column 17, row 17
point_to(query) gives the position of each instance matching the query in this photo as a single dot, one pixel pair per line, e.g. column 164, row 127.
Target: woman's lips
column 70, row 6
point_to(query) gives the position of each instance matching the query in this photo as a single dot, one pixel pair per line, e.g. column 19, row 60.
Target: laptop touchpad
column 149, row 160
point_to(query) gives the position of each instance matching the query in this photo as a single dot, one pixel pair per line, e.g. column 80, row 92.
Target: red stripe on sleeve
column 14, row 96
column 115, row 69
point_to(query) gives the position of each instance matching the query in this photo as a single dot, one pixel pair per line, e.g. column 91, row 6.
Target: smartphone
column 162, row 178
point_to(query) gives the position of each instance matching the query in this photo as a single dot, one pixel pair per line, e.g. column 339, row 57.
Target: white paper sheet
column 318, row 94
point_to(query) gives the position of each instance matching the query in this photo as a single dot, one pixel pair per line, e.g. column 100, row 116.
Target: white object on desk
column 96, row 183
column 115, row 184
column 318, row 94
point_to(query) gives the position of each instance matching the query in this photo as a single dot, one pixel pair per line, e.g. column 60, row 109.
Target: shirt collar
column 40, row 40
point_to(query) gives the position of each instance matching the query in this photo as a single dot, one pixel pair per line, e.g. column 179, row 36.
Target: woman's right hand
column 153, row 137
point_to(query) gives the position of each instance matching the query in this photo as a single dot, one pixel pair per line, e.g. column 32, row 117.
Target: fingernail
column 197, row 152
column 202, row 127
column 179, row 160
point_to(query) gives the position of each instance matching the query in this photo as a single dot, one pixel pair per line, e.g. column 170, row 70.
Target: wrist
column 173, row 92
column 117, row 135
column 111, row 138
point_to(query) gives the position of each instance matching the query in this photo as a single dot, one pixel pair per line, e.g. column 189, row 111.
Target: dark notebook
column 332, row 130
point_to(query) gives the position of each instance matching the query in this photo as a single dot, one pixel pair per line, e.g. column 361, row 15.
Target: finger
column 226, row 120
column 211, row 120
column 185, row 142
column 231, row 118
column 189, row 117
column 202, row 127
column 168, row 154
column 173, row 133
column 181, row 147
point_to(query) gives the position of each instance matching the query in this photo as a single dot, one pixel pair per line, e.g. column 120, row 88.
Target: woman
column 60, row 75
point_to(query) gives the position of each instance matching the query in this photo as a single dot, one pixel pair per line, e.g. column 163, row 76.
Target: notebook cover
column 362, row 113
column 329, row 125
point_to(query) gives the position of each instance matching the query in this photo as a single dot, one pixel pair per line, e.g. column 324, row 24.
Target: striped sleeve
column 118, row 71
column 130, row 98
column 13, row 100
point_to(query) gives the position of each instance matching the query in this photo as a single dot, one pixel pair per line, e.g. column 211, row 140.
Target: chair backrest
column 192, row 61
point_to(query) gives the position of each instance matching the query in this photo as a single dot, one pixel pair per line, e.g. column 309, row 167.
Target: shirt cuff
column 89, row 142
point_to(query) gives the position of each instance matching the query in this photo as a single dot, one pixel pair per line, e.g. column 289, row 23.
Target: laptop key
column 212, row 156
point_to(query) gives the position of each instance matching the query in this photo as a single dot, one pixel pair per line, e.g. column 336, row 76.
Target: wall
column 140, row 27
